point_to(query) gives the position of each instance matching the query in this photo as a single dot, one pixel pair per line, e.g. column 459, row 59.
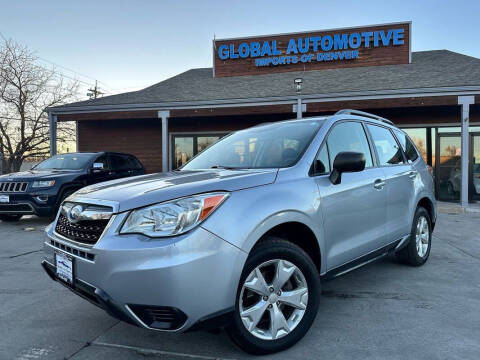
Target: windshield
column 268, row 146
column 65, row 162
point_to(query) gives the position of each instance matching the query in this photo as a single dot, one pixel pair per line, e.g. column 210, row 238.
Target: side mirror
column 97, row 168
column 346, row 161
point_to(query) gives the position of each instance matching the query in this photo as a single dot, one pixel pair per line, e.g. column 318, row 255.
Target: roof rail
column 362, row 113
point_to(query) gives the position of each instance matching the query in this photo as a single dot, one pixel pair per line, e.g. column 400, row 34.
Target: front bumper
column 184, row 279
column 30, row 203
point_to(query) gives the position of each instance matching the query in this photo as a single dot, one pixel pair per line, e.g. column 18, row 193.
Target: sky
column 129, row 45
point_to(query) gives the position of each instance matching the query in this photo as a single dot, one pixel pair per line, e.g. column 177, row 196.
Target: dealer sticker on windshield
column 64, row 265
column 4, row 199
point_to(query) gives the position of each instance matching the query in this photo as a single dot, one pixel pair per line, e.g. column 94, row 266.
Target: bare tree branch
column 26, row 91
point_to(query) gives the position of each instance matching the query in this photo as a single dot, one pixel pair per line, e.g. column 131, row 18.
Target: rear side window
column 119, row 162
column 349, row 136
column 407, row 146
column 131, row 163
column 387, row 148
column 124, row 162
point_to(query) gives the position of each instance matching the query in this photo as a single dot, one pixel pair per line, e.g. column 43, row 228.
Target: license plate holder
column 64, row 267
column 4, row 199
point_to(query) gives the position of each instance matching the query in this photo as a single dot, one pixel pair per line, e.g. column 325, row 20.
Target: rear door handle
column 379, row 184
column 412, row 174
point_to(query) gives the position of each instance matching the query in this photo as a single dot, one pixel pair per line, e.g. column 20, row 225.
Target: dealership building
column 433, row 95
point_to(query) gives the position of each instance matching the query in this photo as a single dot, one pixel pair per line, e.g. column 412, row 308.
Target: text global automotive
column 341, row 46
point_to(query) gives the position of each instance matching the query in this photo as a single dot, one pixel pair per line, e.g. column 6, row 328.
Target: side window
column 119, row 162
column 104, row 160
column 349, row 136
column 133, row 163
column 407, row 146
column 388, row 150
column 322, row 165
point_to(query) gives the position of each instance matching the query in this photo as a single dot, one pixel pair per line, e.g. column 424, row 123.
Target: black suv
column 42, row 189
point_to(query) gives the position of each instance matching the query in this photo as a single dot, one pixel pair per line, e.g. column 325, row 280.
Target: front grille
column 16, row 208
column 85, row 231
column 13, row 187
column 72, row 250
column 159, row 317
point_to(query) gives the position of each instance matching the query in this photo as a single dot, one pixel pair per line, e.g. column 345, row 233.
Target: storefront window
column 183, row 150
column 457, row 129
column 475, row 171
column 448, row 170
column 205, row 141
column 434, row 146
column 187, row 146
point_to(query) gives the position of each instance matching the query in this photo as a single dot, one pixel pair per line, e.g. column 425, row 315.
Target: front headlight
column 173, row 217
column 43, row 183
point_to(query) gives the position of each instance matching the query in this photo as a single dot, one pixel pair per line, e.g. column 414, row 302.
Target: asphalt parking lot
column 383, row 310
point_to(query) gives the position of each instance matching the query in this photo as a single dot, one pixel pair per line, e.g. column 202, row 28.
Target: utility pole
column 95, row 92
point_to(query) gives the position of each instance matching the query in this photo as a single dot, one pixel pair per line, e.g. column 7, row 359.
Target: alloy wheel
column 422, row 236
column 273, row 299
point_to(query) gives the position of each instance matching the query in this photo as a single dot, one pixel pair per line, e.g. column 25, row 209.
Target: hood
column 30, row 175
column 144, row 190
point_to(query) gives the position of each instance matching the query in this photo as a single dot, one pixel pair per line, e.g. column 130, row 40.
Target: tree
column 451, row 150
column 26, row 91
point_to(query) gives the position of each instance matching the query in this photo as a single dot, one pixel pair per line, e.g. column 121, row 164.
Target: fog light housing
column 42, row 199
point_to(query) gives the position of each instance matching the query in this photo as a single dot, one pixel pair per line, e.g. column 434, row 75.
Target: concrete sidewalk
column 384, row 310
column 455, row 208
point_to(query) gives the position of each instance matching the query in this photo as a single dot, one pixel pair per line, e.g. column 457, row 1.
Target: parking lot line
column 148, row 351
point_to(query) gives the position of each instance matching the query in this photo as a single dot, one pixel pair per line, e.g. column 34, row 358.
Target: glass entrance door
column 448, row 169
column 474, row 188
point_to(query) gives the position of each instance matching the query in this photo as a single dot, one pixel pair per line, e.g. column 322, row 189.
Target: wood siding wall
column 142, row 138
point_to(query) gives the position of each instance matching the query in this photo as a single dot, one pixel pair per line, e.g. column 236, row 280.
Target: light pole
column 298, row 85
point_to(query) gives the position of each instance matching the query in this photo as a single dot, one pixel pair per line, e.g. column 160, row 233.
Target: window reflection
column 186, row 147
column 205, row 141
column 183, row 150
column 419, row 138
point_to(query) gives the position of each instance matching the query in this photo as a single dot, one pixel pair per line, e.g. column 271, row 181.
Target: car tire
column 293, row 319
column 10, row 218
column 417, row 251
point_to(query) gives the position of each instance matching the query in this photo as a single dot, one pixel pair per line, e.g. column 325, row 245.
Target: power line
column 105, row 85
column 71, row 70
column 75, row 72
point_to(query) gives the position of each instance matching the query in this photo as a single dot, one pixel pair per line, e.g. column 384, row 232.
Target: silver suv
column 242, row 235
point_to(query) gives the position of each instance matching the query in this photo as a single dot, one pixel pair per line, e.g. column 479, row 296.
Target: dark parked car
column 42, row 189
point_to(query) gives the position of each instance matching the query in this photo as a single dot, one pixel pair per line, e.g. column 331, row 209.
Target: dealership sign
column 368, row 46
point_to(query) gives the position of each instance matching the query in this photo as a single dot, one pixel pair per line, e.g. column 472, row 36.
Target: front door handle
column 379, row 184
column 412, row 174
